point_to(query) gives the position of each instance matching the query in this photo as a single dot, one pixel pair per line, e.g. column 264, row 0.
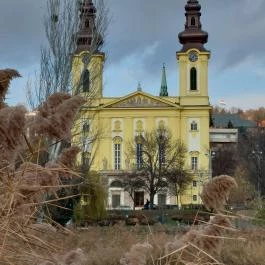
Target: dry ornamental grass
column 25, row 183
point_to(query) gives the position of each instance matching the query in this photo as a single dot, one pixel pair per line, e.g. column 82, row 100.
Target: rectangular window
column 116, row 200
column 194, row 163
column 194, row 183
column 194, row 198
column 194, row 126
column 162, row 155
column 139, row 155
column 139, row 199
column 117, row 156
column 162, row 199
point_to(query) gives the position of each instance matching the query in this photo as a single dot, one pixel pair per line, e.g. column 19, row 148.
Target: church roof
column 140, row 99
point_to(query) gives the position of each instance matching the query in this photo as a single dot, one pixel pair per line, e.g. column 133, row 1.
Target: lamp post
column 210, row 154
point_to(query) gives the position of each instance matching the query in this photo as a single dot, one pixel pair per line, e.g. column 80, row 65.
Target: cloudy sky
column 142, row 36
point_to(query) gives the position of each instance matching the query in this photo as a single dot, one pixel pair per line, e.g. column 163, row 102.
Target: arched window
column 116, row 184
column 193, row 78
column 85, row 80
column 192, row 21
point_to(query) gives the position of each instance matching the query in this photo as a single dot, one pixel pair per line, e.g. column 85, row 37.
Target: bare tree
column 178, row 179
column 252, row 156
column 61, row 23
column 158, row 158
column 132, row 182
column 224, row 161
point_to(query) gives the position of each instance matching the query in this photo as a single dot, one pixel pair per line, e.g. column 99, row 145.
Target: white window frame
column 117, row 156
column 194, row 163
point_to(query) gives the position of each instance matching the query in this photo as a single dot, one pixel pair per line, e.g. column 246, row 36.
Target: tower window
column 193, row 78
column 192, row 21
column 87, row 23
column 85, row 80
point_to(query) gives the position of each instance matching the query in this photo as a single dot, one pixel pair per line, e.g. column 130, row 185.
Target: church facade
column 106, row 125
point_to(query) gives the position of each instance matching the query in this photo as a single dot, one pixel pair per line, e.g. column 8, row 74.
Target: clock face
column 85, row 59
column 193, row 56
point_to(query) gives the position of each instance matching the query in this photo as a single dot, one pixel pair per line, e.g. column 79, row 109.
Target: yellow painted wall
column 177, row 112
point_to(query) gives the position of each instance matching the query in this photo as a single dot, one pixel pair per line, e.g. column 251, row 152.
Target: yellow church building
column 106, row 124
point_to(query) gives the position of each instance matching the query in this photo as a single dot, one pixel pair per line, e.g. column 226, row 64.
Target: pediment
column 140, row 100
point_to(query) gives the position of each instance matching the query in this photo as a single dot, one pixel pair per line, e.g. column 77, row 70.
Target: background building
column 106, row 125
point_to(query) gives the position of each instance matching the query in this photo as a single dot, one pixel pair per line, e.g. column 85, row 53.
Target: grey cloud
column 234, row 33
column 21, row 31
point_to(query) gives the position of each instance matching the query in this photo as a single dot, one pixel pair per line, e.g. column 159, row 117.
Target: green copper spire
column 139, row 88
column 163, row 90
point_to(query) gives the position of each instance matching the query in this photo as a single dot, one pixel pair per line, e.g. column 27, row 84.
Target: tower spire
column 139, row 87
column 163, row 89
column 193, row 36
column 88, row 39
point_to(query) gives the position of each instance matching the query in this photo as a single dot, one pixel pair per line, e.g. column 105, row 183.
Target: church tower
column 193, row 59
column 88, row 62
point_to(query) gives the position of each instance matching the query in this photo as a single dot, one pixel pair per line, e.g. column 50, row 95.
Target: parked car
column 155, row 207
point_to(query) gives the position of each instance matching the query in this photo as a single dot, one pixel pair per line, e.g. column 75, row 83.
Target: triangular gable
column 140, row 99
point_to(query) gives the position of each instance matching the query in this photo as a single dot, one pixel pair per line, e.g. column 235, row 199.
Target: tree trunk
column 177, row 196
column 152, row 195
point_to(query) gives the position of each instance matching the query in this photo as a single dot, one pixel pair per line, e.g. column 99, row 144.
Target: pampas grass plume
column 215, row 193
column 208, row 238
column 55, row 117
column 136, row 255
column 68, row 156
column 74, row 257
column 12, row 123
column 6, row 76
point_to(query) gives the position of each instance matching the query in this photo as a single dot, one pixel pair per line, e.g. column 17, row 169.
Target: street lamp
column 210, row 154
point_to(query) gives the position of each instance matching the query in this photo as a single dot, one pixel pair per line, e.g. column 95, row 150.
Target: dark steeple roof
column 193, row 36
column 88, row 38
